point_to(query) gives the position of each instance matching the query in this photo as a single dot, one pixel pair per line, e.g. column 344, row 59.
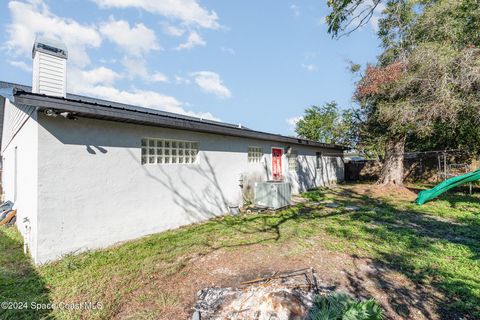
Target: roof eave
column 107, row 112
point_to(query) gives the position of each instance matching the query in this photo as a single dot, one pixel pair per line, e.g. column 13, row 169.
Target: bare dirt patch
column 360, row 276
column 380, row 191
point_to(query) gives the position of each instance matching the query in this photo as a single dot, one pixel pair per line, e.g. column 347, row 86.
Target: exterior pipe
column 27, row 235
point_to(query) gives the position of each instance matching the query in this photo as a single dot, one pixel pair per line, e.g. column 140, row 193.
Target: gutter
column 121, row 114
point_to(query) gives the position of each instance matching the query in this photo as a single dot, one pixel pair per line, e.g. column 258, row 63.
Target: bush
column 341, row 306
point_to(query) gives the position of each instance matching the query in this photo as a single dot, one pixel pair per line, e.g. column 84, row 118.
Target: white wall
column 309, row 176
column 94, row 191
column 15, row 117
column 20, row 137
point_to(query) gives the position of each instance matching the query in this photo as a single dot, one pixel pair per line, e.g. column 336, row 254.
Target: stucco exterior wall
column 95, row 192
column 20, row 170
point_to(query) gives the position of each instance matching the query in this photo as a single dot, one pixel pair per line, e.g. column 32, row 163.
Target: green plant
column 341, row 306
column 327, row 123
column 434, row 247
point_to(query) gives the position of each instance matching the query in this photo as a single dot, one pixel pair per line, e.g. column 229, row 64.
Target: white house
column 87, row 173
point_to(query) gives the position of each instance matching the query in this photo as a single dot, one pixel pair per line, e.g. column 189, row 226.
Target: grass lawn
column 418, row 262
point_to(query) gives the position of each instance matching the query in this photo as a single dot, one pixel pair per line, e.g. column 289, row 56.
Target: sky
column 254, row 63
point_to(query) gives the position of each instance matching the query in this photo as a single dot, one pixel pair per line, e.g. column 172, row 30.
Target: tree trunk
column 392, row 170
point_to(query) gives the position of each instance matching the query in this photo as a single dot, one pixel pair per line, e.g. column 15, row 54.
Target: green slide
column 430, row 194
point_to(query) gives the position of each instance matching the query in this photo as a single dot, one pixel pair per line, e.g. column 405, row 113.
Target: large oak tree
column 428, row 73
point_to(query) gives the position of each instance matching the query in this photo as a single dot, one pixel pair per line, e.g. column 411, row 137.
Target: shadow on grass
column 463, row 201
column 441, row 252
column 20, row 283
column 458, row 193
column 417, row 190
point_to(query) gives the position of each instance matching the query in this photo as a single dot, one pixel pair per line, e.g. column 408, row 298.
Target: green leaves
column 341, row 306
column 452, row 22
column 428, row 76
column 326, row 124
column 349, row 15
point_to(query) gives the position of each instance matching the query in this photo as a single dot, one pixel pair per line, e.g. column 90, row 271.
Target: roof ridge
column 94, row 100
column 18, row 90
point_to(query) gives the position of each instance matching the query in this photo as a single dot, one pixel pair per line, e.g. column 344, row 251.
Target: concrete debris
column 234, row 210
column 255, row 303
column 332, row 205
column 352, row 208
column 281, row 296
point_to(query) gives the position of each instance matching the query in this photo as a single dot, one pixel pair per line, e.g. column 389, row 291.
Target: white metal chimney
column 49, row 67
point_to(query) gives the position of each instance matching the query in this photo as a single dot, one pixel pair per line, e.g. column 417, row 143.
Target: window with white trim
column 162, row 151
column 292, row 162
column 255, row 154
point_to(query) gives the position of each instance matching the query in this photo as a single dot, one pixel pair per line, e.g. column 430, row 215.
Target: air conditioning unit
column 273, row 194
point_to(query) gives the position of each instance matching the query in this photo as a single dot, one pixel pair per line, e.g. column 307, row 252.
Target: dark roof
column 49, row 46
column 102, row 109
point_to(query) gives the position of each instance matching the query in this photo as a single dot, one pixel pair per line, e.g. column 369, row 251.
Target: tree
column 427, row 77
column 347, row 16
column 326, row 124
column 373, row 91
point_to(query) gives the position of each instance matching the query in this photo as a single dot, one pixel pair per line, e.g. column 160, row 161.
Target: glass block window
column 292, row 162
column 255, row 154
column 161, row 151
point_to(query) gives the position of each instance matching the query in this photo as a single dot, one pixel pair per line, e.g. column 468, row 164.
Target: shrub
column 341, row 306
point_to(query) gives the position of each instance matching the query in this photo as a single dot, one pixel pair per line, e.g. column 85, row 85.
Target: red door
column 277, row 163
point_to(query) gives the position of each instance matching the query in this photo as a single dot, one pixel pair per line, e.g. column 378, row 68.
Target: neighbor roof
column 108, row 110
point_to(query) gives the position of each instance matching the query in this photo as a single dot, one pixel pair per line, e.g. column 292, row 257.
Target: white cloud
column 136, row 40
column 210, row 82
column 135, row 67
column 159, row 77
column 148, row 99
column 227, row 50
column 108, row 61
column 145, row 98
column 194, row 40
column 181, row 80
column 28, row 19
column 309, row 67
column 292, row 122
column 187, row 11
column 295, row 10
column 20, row 65
column 100, row 83
column 101, row 75
column 173, row 30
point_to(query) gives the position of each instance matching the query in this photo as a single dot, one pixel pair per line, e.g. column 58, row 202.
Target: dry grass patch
column 418, row 262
